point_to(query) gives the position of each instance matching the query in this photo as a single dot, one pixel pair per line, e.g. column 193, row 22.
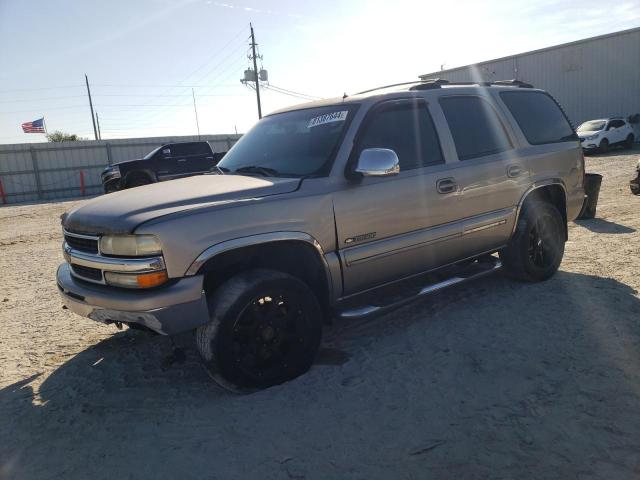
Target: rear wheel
column 537, row 246
column 604, row 146
column 265, row 329
column 628, row 144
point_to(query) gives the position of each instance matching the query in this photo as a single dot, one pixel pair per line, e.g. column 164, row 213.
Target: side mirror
column 378, row 162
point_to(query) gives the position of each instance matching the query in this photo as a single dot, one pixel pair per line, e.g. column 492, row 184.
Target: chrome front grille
column 82, row 243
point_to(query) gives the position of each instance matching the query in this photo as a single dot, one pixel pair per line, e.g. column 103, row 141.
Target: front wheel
column 265, row 328
column 537, row 246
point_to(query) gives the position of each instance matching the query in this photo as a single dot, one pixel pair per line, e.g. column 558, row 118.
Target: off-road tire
column 628, row 143
column 239, row 298
column 604, row 146
column 138, row 180
column 519, row 259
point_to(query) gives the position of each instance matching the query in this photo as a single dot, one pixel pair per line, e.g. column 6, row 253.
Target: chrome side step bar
column 371, row 310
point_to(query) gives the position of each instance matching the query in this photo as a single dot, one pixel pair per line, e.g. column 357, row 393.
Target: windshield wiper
column 264, row 171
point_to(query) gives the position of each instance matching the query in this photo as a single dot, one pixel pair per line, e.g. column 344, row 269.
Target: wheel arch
column 139, row 173
column 295, row 253
column 552, row 191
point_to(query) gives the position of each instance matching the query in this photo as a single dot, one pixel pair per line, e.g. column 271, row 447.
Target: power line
column 210, row 60
column 40, row 88
column 42, row 99
column 284, row 90
column 176, row 85
column 267, row 87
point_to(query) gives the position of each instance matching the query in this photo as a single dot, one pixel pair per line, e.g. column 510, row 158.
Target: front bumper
column 589, row 145
column 110, row 180
column 168, row 310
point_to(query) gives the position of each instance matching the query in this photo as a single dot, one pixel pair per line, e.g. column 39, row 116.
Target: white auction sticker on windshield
column 328, row 118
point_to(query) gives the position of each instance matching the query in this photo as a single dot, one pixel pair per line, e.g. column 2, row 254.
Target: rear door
column 490, row 175
column 391, row 227
column 617, row 132
column 548, row 144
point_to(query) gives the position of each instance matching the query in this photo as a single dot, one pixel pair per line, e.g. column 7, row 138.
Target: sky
column 143, row 57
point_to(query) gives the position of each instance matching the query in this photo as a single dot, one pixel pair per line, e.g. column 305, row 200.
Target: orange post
column 2, row 194
column 82, row 190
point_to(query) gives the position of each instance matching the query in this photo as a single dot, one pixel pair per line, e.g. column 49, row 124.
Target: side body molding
column 330, row 261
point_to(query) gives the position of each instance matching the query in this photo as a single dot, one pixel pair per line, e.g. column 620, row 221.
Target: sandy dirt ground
column 494, row 379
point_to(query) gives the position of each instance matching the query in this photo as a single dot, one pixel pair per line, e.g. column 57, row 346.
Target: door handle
column 182, row 159
column 446, row 185
column 513, row 171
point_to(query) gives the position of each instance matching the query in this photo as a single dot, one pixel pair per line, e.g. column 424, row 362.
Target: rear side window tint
column 539, row 117
column 475, row 126
column 406, row 128
column 184, row 149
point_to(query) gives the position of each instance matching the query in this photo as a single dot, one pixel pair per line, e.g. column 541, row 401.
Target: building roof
column 546, row 49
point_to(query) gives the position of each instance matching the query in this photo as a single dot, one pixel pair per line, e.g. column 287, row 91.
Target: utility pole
column 255, row 70
column 193, row 94
column 98, row 122
column 93, row 118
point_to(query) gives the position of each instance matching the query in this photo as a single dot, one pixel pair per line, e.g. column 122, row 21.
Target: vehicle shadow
column 600, row 225
column 494, row 378
column 615, row 152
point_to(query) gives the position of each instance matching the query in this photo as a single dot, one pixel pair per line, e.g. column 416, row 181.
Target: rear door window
column 406, row 127
column 185, row 149
column 475, row 127
column 539, row 116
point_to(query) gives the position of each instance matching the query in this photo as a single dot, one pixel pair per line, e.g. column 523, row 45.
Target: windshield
column 592, row 126
column 291, row 144
column 151, row 153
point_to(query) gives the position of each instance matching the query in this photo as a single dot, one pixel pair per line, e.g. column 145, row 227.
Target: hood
column 123, row 211
column 587, row 133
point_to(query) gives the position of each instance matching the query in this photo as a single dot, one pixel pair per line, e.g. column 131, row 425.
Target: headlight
column 591, row 137
column 136, row 280
column 113, row 169
column 130, row 245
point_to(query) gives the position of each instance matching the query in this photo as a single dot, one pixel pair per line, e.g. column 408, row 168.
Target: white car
column 599, row 135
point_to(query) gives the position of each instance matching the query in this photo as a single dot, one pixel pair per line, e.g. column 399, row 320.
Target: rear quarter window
column 539, row 117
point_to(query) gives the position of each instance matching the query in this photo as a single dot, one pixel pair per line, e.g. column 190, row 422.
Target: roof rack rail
column 389, row 86
column 513, row 83
column 431, row 83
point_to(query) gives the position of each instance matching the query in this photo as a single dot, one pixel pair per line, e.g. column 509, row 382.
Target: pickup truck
column 167, row 162
column 340, row 208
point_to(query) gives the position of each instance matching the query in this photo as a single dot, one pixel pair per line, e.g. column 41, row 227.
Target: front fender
column 329, row 261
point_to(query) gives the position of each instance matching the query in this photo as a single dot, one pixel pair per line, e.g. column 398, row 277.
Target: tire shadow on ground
column 600, row 225
column 503, row 378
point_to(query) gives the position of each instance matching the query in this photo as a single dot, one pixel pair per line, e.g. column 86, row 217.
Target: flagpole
column 45, row 126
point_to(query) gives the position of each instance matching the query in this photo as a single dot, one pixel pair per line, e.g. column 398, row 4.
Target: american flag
column 37, row 126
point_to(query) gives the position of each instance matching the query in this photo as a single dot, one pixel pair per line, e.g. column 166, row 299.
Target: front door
column 392, row 227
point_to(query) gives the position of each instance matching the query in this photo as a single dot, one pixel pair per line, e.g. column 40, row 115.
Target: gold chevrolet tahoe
column 338, row 208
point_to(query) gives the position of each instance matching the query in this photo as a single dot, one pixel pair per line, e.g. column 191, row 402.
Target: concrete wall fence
column 50, row 171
